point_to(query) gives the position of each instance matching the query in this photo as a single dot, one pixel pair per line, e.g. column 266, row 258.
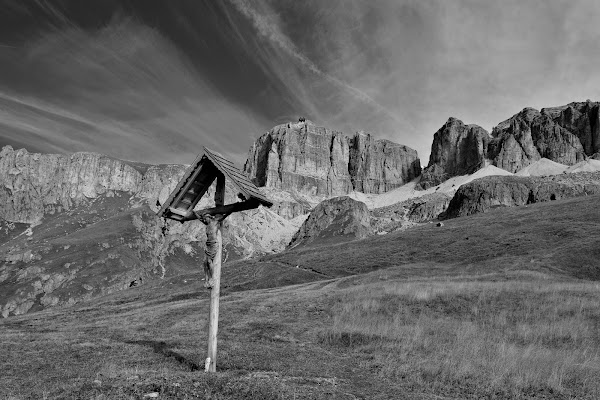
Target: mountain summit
column 317, row 161
column 566, row 134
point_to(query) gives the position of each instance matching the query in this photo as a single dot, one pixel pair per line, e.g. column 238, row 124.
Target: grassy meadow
column 504, row 314
column 511, row 339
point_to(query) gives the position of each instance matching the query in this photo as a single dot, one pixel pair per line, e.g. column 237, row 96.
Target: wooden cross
column 180, row 207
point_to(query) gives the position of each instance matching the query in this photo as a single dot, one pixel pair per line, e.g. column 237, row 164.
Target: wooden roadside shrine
column 179, row 206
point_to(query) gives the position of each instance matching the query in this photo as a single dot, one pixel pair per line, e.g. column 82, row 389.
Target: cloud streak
column 424, row 61
column 268, row 28
column 155, row 82
column 123, row 91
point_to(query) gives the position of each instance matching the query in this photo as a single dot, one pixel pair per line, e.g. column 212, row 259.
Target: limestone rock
column 158, row 182
column 457, row 149
column 408, row 213
column 95, row 217
column 582, row 119
column 334, row 220
column 427, row 208
column 316, row 161
column 530, row 135
column 300, row 156
column 483, row 194
column 32, row 184
column 378, row 166
column 566, row 135
column 290, row 204
column 290, row 209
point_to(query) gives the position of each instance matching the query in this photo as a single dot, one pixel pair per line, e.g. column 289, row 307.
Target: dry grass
column 560, row 236
column 376, row 336
column 509, row 338
column 492, row 306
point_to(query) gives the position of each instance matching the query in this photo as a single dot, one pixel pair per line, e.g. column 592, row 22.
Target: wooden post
column 210, row 364
column 180, row 205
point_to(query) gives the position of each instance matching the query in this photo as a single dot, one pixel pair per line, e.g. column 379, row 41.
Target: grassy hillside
column 498, row 305
column 560, row 236
column 74, row 255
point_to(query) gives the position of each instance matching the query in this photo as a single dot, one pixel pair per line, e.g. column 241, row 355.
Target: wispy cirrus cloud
column 268, row 27
column 401, row 68
column 159, row 80
column 123, row 90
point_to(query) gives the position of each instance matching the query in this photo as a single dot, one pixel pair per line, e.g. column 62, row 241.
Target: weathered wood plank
column 187, row 174
column 199, row 177
column 238, row 178
column 213, row 318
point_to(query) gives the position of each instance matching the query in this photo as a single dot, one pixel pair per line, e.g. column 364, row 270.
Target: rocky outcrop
column 409, row 212
column 530, row 135
column 75, row 227
column 457, row 149
column 290, row 204
column 159, row 181
column 567, row 135
column 378, row 166
column 418, row 209
column 101, row 247
column 34, row 184
column 582, row 119
column 316, row 161
column 483, row 194
column 334, row 220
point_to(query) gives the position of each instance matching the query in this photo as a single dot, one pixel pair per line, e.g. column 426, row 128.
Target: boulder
column 334, row 220
column 408, row 212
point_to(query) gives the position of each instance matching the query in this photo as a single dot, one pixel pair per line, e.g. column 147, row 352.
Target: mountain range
column 74, row 227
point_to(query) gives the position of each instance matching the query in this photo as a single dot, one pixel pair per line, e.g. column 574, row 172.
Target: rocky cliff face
column 457, row 149
column 582, row 119
column 334, row 220
column 34, row 184
column 568, row 134
column 316, row 161
column 74, row 227
column 378, row 166
column 530, row 135
column 483, row 194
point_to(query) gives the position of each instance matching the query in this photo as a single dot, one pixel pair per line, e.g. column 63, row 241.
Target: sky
column 153, row 81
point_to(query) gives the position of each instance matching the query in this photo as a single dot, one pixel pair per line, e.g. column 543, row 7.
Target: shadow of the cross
column 163, row 349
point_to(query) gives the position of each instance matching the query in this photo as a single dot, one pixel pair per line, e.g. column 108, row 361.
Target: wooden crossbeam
column 224, row 209
column 229, row 208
